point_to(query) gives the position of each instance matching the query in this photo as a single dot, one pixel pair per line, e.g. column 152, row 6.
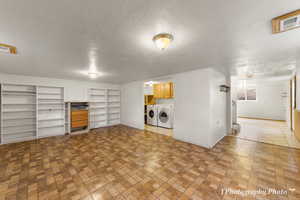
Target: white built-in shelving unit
column 67, row 117
column 97, row 108
column 104, row 107
column 18, row 113
column 113, row 106
column 30, row 112
column 51, row 111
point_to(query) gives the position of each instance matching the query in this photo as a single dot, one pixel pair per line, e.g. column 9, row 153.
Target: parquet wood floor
column 123, row 163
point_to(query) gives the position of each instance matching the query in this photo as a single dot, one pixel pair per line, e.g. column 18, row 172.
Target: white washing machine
column 152, row 115
column 165, row 115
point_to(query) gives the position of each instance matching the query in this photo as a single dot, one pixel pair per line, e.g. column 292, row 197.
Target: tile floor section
column 272, row 132
column 160, row 130
column 123, row 163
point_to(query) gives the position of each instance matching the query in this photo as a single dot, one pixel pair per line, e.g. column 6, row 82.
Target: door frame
column 293, row 89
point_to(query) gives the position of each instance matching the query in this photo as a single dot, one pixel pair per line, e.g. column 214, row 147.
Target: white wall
column 132, row 104
column 218, row 107
column 298, row 86
column 200, row 107
column 74, row 90
column 191, row 123
column 269, row 104
column 287, row 104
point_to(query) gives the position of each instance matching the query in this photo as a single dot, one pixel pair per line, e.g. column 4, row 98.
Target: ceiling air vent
column 286, row 22
column 8, row 49
column 290, row 23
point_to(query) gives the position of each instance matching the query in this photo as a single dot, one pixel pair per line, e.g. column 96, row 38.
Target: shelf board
column 49, row 93
column 16, row 111
column 53, row 119
column 53, row 126
column 18, row 91
column 97, row 89
column 109, row 108
column 16, row 104
column 50, row 99
column 113, row 123
column 114, row 106
column 18, row 139
column 19, row 118
column 97, row 114
column 102, row 120
column 98, row 95
column 114, row 113
column 97, row 101
column 111, row 119
column 49, row 135
column 49, row 103
column 18, row 94
column 114, row 95
column 113, row 101
column 51, row 109
column 18, row 132
column 100, row 107
column 19, row 125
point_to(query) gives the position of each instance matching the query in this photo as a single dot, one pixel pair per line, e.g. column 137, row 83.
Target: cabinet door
column 157, row 89
column 168, row 90
column 79, row 115
column 164, row 90
column 171, row 90
column 78, row 124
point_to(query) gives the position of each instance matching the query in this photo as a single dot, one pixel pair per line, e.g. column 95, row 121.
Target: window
column 246, row 91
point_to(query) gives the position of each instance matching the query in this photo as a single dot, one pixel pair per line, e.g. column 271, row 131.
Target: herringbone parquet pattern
column 126, row 164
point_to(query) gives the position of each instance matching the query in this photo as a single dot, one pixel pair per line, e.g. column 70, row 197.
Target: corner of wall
column 218, row 103
column 132, row 104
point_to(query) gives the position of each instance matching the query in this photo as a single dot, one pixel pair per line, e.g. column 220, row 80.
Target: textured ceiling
column 62, row 38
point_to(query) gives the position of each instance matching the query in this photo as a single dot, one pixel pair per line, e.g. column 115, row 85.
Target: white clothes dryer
column 152, row 115
column 165, row 115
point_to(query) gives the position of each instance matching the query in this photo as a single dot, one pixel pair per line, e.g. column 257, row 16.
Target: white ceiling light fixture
column 249, row 75
column 163, row 40
column 93, row 75
column 93, row 72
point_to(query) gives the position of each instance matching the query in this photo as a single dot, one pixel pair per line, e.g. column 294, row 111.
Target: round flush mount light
column 93, row 75
column 249, row 75
column 163, row 40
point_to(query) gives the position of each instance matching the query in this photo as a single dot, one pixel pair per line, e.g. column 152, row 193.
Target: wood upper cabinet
column 167, row 90
column 157, row 90
column 149, row 100
column 163, row 90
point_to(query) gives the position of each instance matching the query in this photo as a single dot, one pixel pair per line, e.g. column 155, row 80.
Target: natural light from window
column 246, row 91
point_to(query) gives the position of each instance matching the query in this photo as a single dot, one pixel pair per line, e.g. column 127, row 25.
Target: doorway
column 159, row 106
column 262, row 111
